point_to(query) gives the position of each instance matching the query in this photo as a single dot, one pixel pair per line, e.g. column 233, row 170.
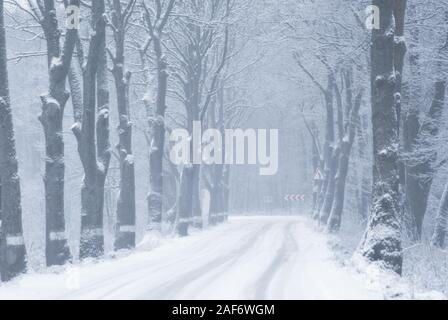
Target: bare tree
column 334, row 220
column 92, row 134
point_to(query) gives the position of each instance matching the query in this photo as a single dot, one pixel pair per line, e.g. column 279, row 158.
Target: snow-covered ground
column 247, row 258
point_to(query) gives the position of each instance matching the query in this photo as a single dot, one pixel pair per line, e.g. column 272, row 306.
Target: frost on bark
column 53, row 105
column 382, row 240
column 92, row 134
column 125, row 230
column 12, row 247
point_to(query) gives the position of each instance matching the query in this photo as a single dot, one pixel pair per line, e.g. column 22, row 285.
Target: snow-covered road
column 247, row 258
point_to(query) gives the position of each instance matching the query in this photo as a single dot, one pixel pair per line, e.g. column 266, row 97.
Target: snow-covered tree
column 382, row 240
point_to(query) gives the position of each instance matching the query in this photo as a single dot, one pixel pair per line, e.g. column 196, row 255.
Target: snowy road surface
column 247, row 258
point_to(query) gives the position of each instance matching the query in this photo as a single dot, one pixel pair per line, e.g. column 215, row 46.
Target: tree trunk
column 92, row 191
column 431, row 127
column 382, row 240
column 12, row 247
column 438, row 238
column 216, row 212
column 334, row 221
column 420, row 174
column 53, row 105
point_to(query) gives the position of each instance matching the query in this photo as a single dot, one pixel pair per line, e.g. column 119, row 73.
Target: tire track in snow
column 139, row 272
column 284, row 253
column 169, row 290
column 137, row 278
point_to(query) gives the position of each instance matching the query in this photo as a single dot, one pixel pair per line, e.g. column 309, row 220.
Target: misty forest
column 344, row 195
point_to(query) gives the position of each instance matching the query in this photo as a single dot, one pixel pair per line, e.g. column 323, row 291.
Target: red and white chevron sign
column 295, row 197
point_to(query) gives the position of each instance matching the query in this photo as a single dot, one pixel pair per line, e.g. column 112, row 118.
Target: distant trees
column 184, row 59
column 119, row 23
column 346, row 142
column 12, row 246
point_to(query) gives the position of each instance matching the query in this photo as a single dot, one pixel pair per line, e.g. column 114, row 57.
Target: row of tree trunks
column 53, row 105
column 12, row 246
column 92, row 134
column 155, row 26
column 217, row 185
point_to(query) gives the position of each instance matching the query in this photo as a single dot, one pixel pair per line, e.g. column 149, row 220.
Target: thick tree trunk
column 53, row 104
column 12, row 247
column 329, row 195
column 382, row 240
